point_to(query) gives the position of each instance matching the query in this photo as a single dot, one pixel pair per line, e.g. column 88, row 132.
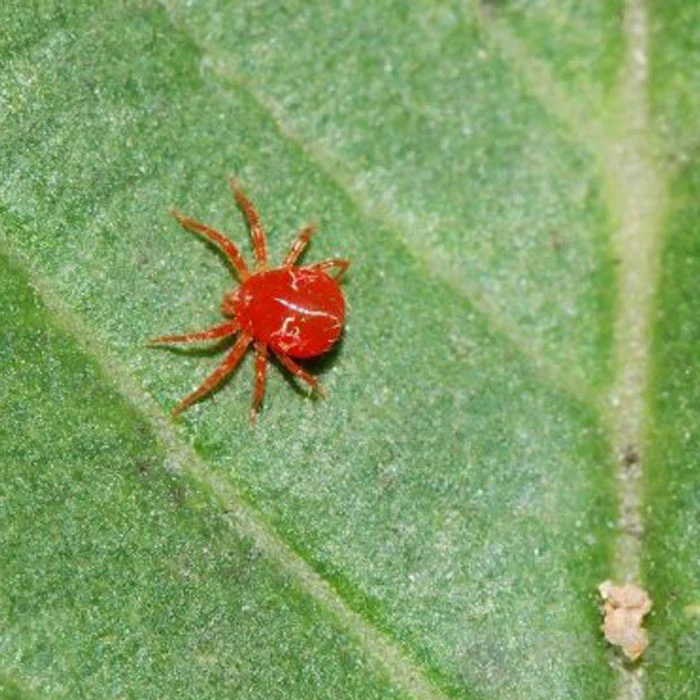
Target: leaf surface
column 439, row 526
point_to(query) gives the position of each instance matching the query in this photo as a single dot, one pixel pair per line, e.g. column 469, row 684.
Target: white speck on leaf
column 624, row 607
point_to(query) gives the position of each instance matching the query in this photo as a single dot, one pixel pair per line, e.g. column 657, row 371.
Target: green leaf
column 511, row 405
column 672, row 479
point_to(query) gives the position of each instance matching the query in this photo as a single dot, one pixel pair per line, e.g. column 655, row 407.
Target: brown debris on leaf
column 623, row 610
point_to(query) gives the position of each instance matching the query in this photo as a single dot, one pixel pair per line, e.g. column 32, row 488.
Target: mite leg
column 220, row 331
column 341, row 265
column 260, row 372
column 298, row 371
column 219, row 240
column 218, row 375
column 299, row 245
column 257, row 231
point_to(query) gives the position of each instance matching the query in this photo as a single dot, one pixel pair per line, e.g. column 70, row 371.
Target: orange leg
column 218, row 375
column 219, row 240
column 260, row 371
column 297, row 371
column 257, row 231
column 342, row 265
column 299, row 245
column 221, row 331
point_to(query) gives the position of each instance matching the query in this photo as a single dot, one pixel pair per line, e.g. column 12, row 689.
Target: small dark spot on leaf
column 556, row 241
column 178, row 494
column 630, row 456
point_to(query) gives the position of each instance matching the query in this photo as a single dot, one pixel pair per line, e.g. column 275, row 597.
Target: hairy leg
column 218, row 375
column 220, row 331
column 299, row 245
column 298, row 371
column 341, row 265
column 260, row 372
column 219, row 240
column 257, row 231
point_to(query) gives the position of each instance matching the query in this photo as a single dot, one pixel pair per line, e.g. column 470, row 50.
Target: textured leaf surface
column 439, row 526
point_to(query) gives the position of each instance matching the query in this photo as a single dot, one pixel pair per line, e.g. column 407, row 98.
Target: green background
column 438, row 527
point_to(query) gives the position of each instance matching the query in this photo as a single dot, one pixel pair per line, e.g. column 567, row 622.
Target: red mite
column 291, row 311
